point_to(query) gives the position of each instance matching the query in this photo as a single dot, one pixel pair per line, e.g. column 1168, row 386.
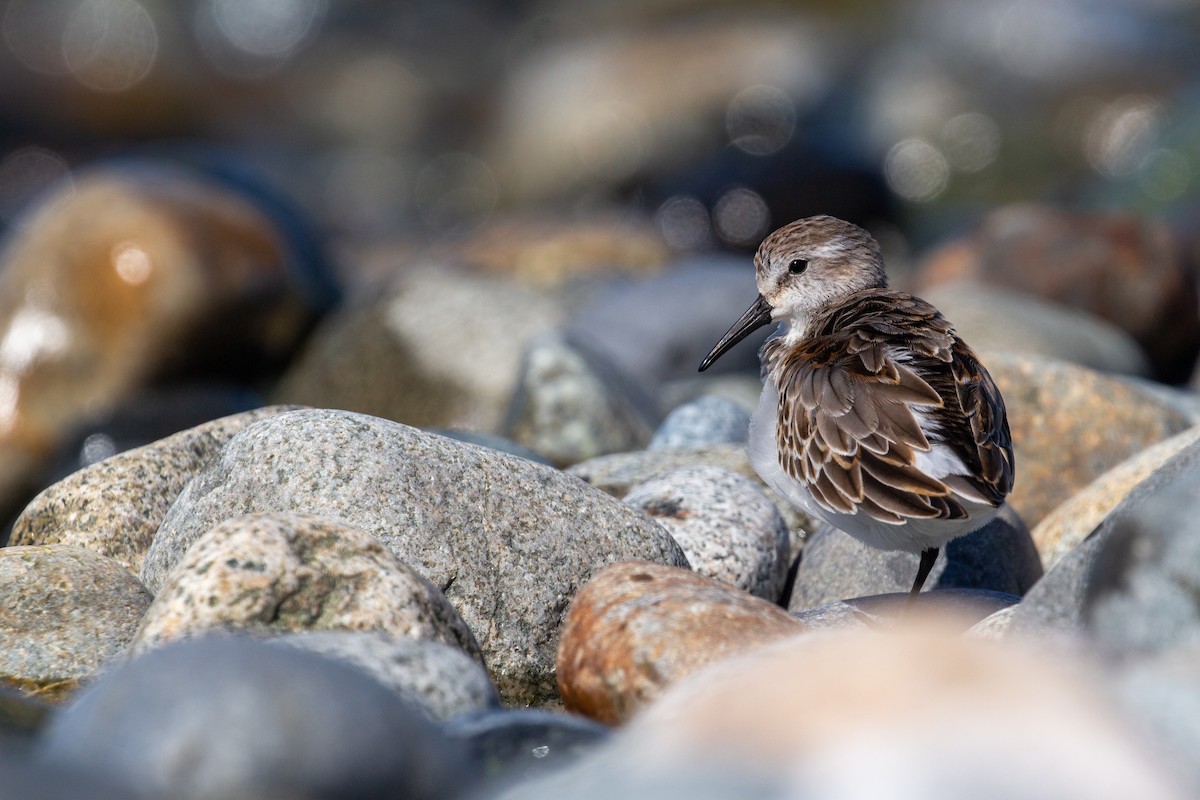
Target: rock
column 233, row 717
column 1070, row 425
column 120, row 276
column 811, row 711
column 547, row 251
column 114, row 507
column 835, row 566
column 728, row 528
column 636, row 628
column 295, row 572
column 440, row 678
column 991, row 318
column 1058, row 601
column 22, row 778
column 519, row 744
column 953, row 609
column 995, row 625
column 742, row 389
column 436, row 346
column 1117, row 266
column 21, row 719
column 570, row 405
column 492, row 441
column 1071, row 522
column 507, row 540
column 1141, row 595
column 707, row 420
column 65, row 612
column 654, row 341
column 618, row 473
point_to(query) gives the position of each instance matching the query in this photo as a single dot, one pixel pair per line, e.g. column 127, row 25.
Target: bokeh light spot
column 132, row 263
column 916, row 170
column 96, row 447
column 971, row 141
column 1121, row 133
column 760, row 119
column 684, row 223
column 741, row 217
column 110, row 45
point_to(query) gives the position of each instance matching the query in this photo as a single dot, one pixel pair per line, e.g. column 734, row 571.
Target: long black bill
column 755, row 317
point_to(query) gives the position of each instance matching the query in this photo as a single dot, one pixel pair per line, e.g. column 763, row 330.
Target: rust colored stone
column 637, row 628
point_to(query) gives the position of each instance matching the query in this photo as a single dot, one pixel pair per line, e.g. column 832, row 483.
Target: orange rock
column 636, row 628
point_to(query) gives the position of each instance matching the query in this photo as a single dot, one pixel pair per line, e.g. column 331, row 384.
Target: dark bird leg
column 928, row 556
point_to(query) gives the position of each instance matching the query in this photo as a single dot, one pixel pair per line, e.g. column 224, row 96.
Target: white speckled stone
column 441, row 679
column 64, row 613
column 728, row 528
column 294, row 572
column 114, row 506
column 704, row 421
column 507, row 540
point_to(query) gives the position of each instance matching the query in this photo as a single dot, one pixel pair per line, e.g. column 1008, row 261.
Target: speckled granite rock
column 64, row 613
column 1070, row 425
column 997, row 319
column 234, row 717
column 406, row 354
column 571, row 405
column 729, row 529
column 1071, row 522
column 507, row 540
column 704, row 421
column 440, row 678
column 114, row 507
column 636, row 628
column 835, row 566
column 618, row 473
column 296, row 572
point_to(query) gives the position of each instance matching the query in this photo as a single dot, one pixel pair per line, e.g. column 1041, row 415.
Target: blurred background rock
column 187, row 189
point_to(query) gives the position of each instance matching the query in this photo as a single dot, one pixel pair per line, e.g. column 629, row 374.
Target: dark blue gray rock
column 23, row 779
column 967, row 606
column 1000, row 557
column 234, row 717
column 517, row 744
column 704, row 421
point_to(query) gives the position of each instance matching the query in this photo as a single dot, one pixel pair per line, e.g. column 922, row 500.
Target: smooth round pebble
column 999, row 557
column 728, row 528
column 235, row 717
column 439, row 677
column 704, row 421
column 636, row 628
column 64, row 613
column 294, row 572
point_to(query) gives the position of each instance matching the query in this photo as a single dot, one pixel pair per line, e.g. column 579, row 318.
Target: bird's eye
column 798, row 265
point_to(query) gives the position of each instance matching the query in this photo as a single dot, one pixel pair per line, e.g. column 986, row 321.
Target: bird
column 874, row 415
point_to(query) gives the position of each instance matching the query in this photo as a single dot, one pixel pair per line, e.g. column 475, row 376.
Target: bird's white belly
column 912, row 536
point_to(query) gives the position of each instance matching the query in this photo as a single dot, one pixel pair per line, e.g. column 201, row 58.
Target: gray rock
column 517, row 744
column 64, row 613
column 728, row 528
column 114, row 507
column 1143, row 592
column 571, row 405
column 21, row 719
column 440, row 678
column 995, row 625
column 965, row 607
column 233, row 717
column 492, row 441
column 295, row 572
column 618, row 473
column 1015, row 322
column 22, row 779
column 707, row 420
column 1128, row 545
column 653, row 339
column 1000, row 557
column 507, row 540
column 438, row 346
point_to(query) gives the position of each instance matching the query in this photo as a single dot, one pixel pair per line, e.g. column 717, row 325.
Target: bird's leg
column 928, row 556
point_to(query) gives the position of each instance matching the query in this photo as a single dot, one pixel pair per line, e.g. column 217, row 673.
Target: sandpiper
column 874, row 415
